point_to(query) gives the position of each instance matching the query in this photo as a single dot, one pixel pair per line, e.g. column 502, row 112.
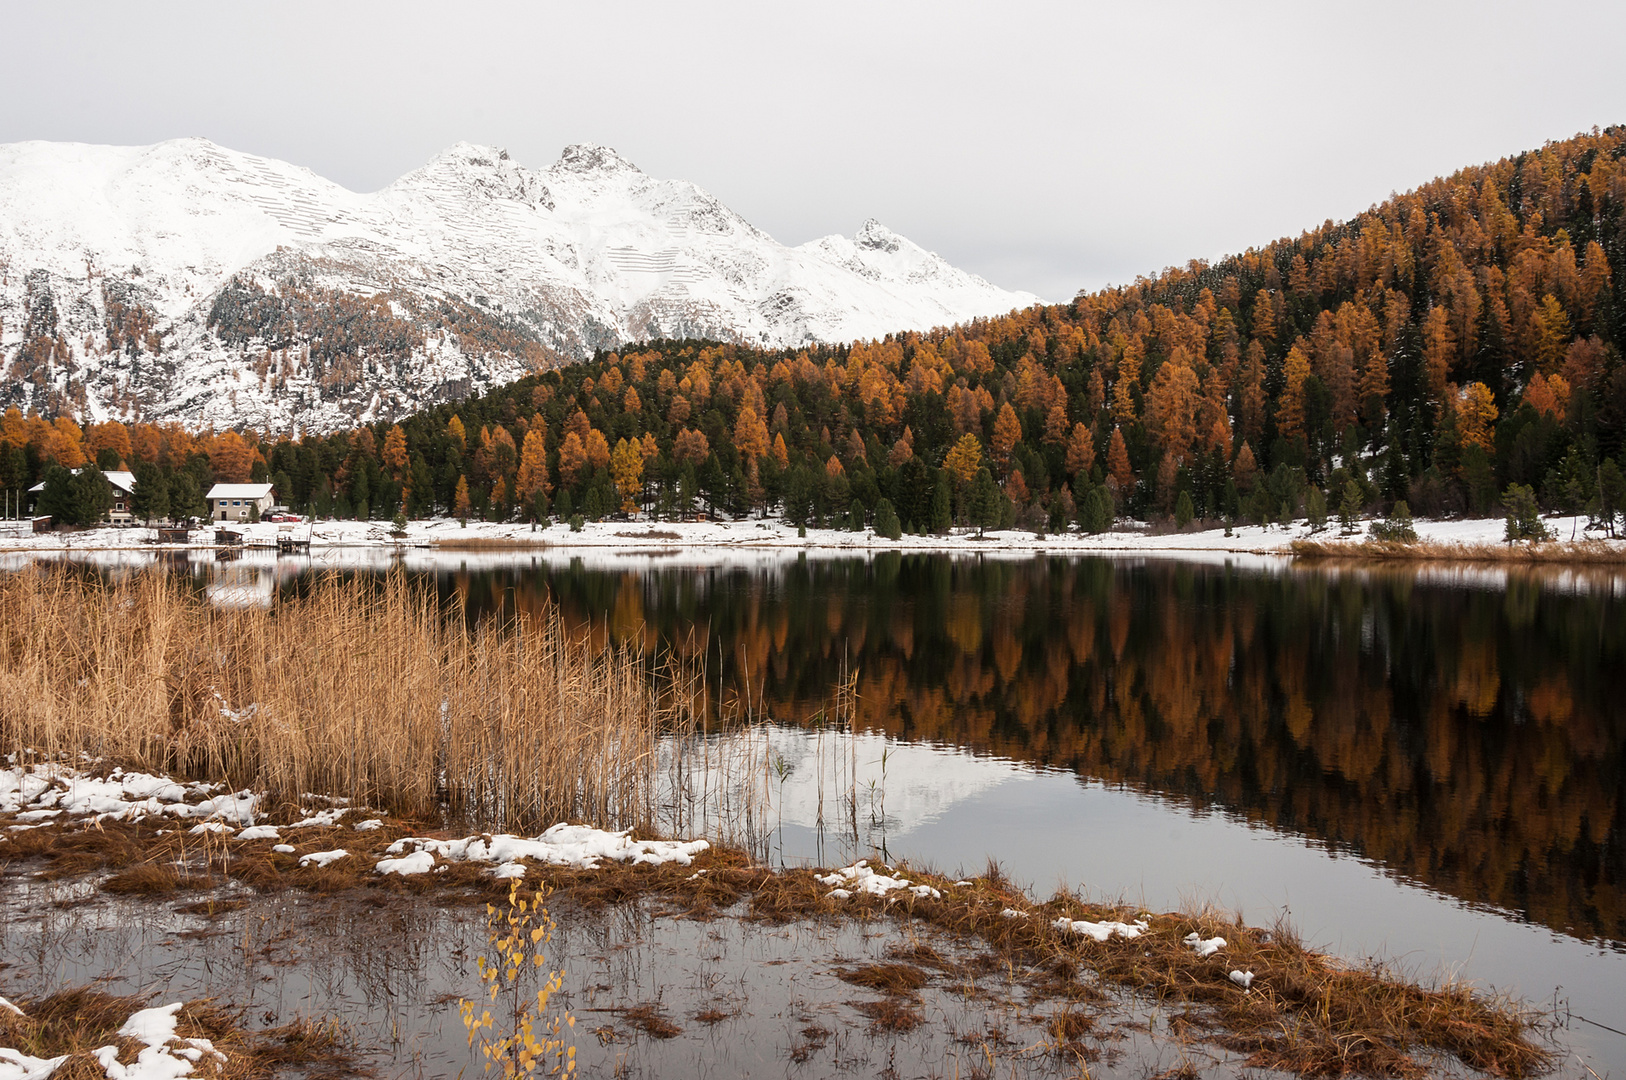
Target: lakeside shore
column 1066, row 977
column 1450, row 538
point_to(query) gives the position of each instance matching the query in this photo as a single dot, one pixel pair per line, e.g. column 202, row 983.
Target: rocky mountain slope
column 186, row 281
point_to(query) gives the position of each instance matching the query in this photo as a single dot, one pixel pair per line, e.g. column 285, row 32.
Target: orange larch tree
column 395, row 451
column 1080, row 451
column 1007, row 433
column 1119, row 471
column 533, row 466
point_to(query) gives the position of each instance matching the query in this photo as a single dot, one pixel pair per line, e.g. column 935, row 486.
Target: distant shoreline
column 1475, row 540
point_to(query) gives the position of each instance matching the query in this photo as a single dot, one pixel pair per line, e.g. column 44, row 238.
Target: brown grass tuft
column 886, row 978
column 713, row 1016
column 649, row 1019
column 78, row 1021
column 154, row 879
column 814, row 1037
column 891, row 1014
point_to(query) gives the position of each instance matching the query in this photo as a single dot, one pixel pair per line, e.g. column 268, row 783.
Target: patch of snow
column 164, row 1055
column 42, row 791
column 864, row 879
column 580, row 846
column 1101, row 931
column 1204, row 947
column 419, row 862
column 259, row 832
column 1243, row 979
column 284, row 849
column 325, row 819
column 322, row 858
column 16, row 1065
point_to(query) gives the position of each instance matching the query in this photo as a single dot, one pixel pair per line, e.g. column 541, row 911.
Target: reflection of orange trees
column 1458, row 740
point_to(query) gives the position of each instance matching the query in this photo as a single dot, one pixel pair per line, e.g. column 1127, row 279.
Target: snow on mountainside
column 186, row 281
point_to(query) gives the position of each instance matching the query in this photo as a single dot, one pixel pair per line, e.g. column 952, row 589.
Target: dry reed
column 366, row 690
column 1582, row 552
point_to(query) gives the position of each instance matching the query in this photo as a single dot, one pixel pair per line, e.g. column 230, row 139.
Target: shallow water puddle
column 654, row 994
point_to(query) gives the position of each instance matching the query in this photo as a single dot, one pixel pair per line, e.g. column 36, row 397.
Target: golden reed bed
column 363, row 689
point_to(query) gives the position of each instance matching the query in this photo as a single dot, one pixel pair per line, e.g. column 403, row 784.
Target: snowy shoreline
column 447, row 534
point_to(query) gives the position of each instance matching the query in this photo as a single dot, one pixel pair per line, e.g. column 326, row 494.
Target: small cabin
column 239, row 502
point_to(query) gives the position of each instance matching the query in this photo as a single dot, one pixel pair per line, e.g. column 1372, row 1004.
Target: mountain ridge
column 186, row 281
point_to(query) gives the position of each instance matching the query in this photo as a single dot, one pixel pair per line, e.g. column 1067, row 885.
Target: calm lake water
column 1422, row 764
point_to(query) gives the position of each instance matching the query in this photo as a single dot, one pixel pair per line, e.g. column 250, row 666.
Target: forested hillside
column 1441, row 346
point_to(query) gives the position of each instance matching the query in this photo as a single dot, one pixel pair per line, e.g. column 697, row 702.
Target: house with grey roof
column 239, row 502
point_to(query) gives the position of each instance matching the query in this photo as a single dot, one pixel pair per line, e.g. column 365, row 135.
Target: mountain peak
column 590, row 158
column 874, row 236
column 467, row 153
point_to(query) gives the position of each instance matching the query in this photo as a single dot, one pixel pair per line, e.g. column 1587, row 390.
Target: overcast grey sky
column 1046, row 146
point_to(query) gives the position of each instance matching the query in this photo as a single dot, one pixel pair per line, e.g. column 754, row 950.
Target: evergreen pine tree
column 150, row 499
column 1523, row 515
column 1611, row 494
column 1398, row 528
column 985, row 498
column 92, row 496
column 941, row 505
column 56, row 500
column 1349, row 509
column 1315, row 508
column 886, row 520
column 185, row 498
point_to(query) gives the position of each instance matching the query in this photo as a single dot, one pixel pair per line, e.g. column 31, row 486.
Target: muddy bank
column 686, row 960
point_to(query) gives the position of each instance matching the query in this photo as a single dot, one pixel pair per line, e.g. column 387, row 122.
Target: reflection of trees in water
column 1471, row 739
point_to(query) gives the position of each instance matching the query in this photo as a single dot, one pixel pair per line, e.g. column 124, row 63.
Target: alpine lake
column 1424, row 764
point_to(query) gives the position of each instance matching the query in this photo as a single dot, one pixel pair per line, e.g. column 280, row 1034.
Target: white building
column 123, row 488
column 238, row 502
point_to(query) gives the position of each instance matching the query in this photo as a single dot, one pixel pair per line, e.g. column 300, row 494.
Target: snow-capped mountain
column 186, row 281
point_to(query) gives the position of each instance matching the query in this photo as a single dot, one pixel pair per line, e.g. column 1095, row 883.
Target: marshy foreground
column 440, row 746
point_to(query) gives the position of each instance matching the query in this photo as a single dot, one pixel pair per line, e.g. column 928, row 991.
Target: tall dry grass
column 368, row 690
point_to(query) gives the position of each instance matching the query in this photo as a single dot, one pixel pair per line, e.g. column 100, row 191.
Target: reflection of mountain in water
column 832, row 776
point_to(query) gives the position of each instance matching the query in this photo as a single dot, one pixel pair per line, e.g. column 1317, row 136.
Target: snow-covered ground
column 53, row 794
column 754, row 534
